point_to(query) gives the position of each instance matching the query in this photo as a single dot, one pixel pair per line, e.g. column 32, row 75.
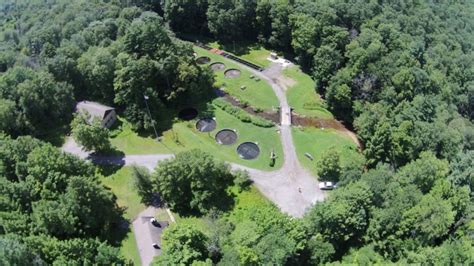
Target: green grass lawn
column 316, row 141
column 302, row 95
column 257, row 93
column 121, row 184
column 251, row 52
column 129, row 249
column 189, row 138
column 130, row 142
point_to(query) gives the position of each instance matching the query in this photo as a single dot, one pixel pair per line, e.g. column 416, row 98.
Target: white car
column 327, row 185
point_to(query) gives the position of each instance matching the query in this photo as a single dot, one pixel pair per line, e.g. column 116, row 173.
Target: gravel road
column 292, row 188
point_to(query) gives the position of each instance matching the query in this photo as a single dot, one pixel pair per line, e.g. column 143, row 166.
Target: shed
column 105, row 114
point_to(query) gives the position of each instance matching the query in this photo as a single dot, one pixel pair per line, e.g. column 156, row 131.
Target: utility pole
column 149, row 114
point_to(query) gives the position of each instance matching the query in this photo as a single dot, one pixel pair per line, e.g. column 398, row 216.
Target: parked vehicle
column 154, row 222
column 327, row 185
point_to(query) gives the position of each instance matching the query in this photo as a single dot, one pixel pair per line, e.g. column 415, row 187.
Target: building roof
column 94, row 109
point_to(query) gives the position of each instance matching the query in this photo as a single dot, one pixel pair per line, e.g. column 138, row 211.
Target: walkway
column 284, row 185
column 292, row 188
column 285, row 112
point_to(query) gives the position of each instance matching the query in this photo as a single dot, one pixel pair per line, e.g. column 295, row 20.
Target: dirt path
column 283, row 186
column 292, row 188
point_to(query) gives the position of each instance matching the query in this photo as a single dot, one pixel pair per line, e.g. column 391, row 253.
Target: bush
column 244, row 103
column 242, row 180
column 261, row 122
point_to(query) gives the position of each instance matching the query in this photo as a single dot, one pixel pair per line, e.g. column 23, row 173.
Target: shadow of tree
column 223, row 202
column 118, row 230
column 108, row 170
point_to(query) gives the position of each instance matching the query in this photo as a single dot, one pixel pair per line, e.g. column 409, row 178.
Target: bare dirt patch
column 217, row 66
column 299, row 120
column 232, row 73
column 203, row 60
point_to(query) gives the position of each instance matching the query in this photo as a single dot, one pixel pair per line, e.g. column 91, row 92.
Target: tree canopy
column 90, row 134
column 102, row 51
column 193, row 182
column 53, row 206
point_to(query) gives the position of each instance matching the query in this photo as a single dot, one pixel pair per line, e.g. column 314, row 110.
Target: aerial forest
column 400, row 74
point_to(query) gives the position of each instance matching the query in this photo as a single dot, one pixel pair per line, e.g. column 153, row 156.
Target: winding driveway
column 292, row 188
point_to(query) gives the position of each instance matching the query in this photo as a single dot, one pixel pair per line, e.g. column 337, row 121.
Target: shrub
column 242, row 180
column 261, row 122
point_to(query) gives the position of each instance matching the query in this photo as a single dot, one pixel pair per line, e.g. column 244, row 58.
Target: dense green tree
column 41, row 103
column 320, row 251
column 252, row 241
column 193, row 182
column 155, row 66
column 363, row 256
column 353, row 169
column 384, row 226
column 339, row 99
column 13, row 252
column 305, row 30
column 93, row 207
column 147, row 36
column 453, row 251
column 134, row 80
column 73, row 251
column 424, row 172
column 342, row 219
column 273, row 23
column 97, row 66
column 327, row 61
column 232, row 20
column 182, row 245
column 329, row 166
column 427, row 221
column 462, row 170
column 7, row 60
column 143, row 183
column 47, row 162
column 187, row 16
column 100, row 33
column 45, row 194
column 90, row 133
column 14, row 153
column 7, row 115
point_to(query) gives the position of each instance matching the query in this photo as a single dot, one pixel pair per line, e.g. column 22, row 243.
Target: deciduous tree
column 193, row 182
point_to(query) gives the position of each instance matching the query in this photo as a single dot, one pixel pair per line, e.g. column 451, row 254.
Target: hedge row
column 242, row 115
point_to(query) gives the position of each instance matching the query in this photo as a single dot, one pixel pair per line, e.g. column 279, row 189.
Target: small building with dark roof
column 106, row 114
